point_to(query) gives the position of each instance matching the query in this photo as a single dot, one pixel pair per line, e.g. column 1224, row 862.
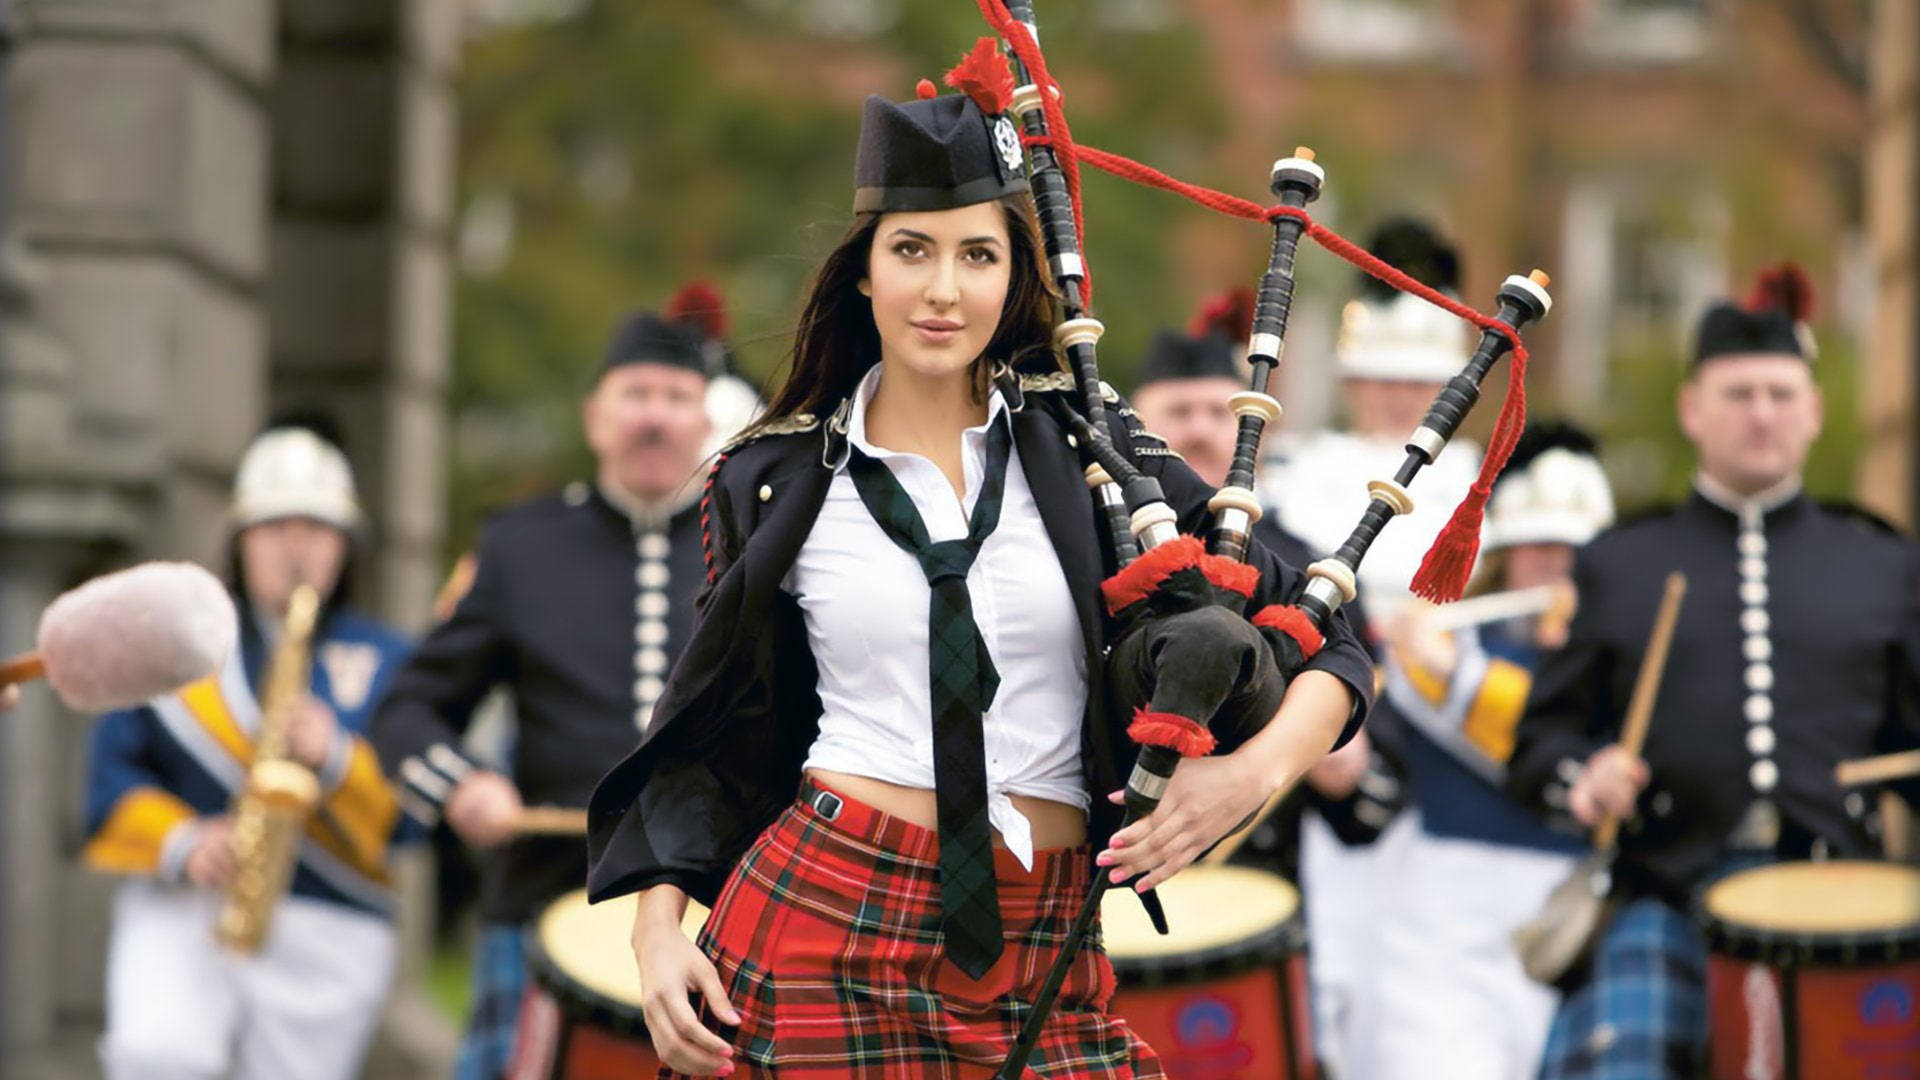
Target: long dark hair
column 837, row 342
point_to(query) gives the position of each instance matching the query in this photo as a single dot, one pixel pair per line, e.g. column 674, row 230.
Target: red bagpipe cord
column 1443, row 574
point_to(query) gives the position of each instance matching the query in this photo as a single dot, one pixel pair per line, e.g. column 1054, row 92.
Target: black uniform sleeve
column 1344, row 656
column 1902, row 729
column 1570, row 713
column 418, row 726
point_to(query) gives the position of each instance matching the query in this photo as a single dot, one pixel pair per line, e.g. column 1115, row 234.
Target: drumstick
column 550, row 821
column 1646, row 688
column 1873, row 770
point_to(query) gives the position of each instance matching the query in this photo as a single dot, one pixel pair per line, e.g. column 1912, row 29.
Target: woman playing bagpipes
column 889, row 755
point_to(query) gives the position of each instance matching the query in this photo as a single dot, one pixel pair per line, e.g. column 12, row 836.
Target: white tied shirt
column 866, row 606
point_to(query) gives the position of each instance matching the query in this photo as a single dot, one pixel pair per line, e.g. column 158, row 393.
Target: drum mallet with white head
column 125, row 637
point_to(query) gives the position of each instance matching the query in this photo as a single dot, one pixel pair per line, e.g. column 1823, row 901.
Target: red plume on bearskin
column 984, row 76
column 1230, row 314
column 699, row 304
column 1784, row 288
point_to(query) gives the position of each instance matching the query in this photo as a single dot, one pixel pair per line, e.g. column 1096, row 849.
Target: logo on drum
column 1206, row 1022
column 1886, row 1003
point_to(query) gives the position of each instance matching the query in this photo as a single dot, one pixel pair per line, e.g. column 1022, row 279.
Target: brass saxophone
column 271, row 814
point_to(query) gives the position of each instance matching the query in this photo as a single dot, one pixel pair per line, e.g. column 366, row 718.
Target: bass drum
column 580, row 1018
column 1813, row 971
column 1224, row 994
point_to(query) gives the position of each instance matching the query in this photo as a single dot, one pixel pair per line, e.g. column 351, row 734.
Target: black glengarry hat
column 648, row 338
column 1773, row 320
column 1174, row 355
column 941, row 151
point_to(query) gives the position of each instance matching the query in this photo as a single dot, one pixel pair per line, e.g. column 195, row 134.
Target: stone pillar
column 132, row 352
column 1889, row 480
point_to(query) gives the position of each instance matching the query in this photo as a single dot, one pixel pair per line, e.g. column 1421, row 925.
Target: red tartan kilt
column 827, row 938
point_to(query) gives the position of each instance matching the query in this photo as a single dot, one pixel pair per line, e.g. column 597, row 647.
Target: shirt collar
column 1747, row 507
column 863, row 396
column 649, row 516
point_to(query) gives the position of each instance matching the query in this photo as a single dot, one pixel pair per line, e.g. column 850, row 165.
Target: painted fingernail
column 1117, row 876
column 1105, row 858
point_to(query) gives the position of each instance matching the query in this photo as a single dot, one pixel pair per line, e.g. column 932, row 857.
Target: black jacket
column 1843, row 606
column 741, row 709
column 551, row 616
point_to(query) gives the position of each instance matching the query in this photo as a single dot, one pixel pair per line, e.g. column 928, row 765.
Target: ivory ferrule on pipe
column 1026, row 99
column 1265, row 345
column 1148, row 783
column 1427, row 443
column 1085, row 330
column 1235, row 500
column 1097, row 475
column 1255, row 403
column 1337, row 575
column 1394, row 495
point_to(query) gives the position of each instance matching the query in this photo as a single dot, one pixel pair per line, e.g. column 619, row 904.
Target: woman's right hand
column 671, row 969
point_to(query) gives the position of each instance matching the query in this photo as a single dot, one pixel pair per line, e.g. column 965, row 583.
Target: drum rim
column 580, row 1001
column 1264, row 949
column 1800, row 948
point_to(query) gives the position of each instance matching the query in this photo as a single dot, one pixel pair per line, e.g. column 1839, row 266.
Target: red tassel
column 1144, row 574
column 1443, row 574
column 1785, row 288
column 925, row 90
column 984, row 76
column 699, row 304
column 1184, row 736
column 1230, row 314
column 1230, row 574
column 1294, row 623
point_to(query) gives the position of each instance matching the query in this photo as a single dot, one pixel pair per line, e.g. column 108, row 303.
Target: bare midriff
column 1055, row 824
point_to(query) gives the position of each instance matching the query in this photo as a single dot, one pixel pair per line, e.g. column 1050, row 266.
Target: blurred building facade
column 214, row 209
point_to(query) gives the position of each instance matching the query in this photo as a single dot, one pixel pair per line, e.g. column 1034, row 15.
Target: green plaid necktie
column 963, row 681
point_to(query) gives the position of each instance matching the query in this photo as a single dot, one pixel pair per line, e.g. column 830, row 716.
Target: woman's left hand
column 1206, row 798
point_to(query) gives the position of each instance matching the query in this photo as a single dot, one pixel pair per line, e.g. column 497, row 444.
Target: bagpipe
column 1186, row 654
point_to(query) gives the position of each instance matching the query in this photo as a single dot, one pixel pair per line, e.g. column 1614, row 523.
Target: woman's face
column 276, row 556
column 938, row 280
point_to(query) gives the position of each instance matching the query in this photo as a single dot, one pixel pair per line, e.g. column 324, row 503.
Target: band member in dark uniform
column 1798, row 646
column 903, row 637
column 579, row 601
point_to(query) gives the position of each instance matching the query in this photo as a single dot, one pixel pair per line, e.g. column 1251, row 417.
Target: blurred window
column 1641, row 31
column 1375, row 30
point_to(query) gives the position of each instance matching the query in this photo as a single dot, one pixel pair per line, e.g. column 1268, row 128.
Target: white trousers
column 1445, row 997
column 1344, row 890
column 181, row 1007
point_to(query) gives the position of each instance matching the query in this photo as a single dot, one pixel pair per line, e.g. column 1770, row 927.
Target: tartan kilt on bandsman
column 827, row 939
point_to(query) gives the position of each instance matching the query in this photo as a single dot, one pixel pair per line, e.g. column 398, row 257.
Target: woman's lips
column 937, row 331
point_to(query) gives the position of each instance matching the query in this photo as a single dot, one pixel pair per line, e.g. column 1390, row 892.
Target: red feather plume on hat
column 984, row 76
column 698, row 303
column 1783, row 287
column 1229, row 313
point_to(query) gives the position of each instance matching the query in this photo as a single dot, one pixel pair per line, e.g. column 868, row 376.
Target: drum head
column 1222, row 919
column 583, row 955
column 1835, row 912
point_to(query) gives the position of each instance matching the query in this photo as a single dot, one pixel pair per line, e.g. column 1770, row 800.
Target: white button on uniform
column 652, row 575
column 1856, row 804
column 1757, row 649
column 651, row 605
column 766, row 492
column 1764, row 775
column 1753, row 569
column 1753, row 544
column 1754, row 620
column 1760, row 740
column 650, row 632
column 642, row 716
column 648, row 689
column 653, row 545
column 651, row 661
column 1753, row 593
column 1759, row 709
column 1759, row 678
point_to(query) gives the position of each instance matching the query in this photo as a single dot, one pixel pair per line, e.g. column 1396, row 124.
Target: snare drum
column 580, row 1018
column 1814, row 971
column 1225, row 994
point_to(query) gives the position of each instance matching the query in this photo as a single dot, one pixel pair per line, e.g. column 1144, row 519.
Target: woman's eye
column 908, row 249
column 982, row 256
